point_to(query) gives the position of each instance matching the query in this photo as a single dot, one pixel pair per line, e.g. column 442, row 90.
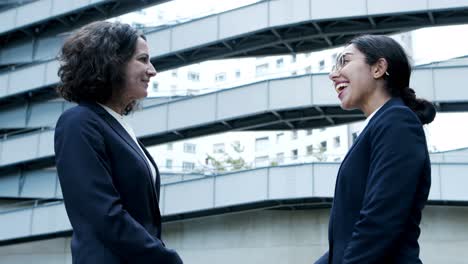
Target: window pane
column 218, row 148
column 261, row 144
column 188, row 166
column 261, row 161
column 189, row 148
column 261, row 69
column 294, row 154
column 280, row 158
column 336, row 142
column 169, row 164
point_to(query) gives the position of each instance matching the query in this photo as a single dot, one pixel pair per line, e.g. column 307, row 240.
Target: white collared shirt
column 121, row 119
column 366, row 122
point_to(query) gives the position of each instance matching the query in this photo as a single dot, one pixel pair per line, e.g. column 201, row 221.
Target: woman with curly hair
column 109, row 181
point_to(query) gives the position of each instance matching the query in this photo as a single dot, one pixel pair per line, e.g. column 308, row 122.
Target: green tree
column 227, row 162
column 319, row 153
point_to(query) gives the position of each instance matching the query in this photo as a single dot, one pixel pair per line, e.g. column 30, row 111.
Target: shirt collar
column 112, row 112
column 366, row 122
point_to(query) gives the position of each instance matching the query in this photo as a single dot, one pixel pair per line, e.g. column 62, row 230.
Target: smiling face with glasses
column 358, row 84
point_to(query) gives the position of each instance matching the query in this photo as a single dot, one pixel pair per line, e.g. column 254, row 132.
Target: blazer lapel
column 126, row 137
column 392, row 101
column 157, row 176
column 156, row 184
column 119, row 130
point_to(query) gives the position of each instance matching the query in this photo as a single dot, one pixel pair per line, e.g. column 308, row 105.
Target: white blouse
column 366, row 122
column 121, row 119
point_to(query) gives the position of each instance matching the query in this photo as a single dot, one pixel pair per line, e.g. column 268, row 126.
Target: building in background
column 249, row 197
column 260, row 149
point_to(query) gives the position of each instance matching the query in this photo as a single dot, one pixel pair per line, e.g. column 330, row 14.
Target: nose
column 151, row 71
column 334, row 74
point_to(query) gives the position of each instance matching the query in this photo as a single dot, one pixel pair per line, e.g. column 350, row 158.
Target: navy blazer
column 108, row 190
column 381, row 188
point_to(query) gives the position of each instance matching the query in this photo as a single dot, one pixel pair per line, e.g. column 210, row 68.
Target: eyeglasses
column 340, row 62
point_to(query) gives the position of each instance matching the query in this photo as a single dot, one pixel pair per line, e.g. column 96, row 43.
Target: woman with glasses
column 383, row 183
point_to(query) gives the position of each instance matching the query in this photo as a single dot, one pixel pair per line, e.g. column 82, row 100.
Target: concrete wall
column 266, row 237
column 54, row 251
column 252, row 238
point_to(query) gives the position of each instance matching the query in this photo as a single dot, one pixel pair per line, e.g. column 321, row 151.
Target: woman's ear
column 379, row 68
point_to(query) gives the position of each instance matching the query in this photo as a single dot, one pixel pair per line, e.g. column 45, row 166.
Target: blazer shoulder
column 397, row 122
column 78, row 118
column 78, row 114
column 396, row 114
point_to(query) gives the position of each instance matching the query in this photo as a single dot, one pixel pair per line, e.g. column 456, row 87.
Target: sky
column 181, row 10
column 447, row 131
column 440, row 43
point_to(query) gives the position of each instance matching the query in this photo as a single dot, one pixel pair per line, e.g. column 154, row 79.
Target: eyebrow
column 143, row 54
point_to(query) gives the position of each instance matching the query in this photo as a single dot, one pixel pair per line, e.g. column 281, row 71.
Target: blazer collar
column 392, row 102
column 126, row 137
column 116, row 126
column 95, row 107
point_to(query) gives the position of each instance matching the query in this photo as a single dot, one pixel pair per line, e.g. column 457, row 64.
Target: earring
column 386, row 73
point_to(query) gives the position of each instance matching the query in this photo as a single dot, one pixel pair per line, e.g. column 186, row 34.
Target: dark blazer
column 381, row 188
column 109, row 193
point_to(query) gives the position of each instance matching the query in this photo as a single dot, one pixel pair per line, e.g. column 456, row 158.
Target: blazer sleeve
column 90, row 196
column 323, row 259
column 398, row 154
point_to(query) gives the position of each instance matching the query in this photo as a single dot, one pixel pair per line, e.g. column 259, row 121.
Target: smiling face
column 138, row 72
column 353, row 79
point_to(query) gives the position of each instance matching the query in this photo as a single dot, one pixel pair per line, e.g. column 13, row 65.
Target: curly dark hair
column 92, row 61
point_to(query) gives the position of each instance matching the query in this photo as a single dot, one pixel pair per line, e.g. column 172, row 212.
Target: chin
column 346, row 106
column 143, row 95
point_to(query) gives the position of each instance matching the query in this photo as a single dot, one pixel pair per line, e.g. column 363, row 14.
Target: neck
column 118, row 107
column 376, row 100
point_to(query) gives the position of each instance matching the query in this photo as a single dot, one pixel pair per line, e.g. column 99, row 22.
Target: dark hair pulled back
column 375, row 47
